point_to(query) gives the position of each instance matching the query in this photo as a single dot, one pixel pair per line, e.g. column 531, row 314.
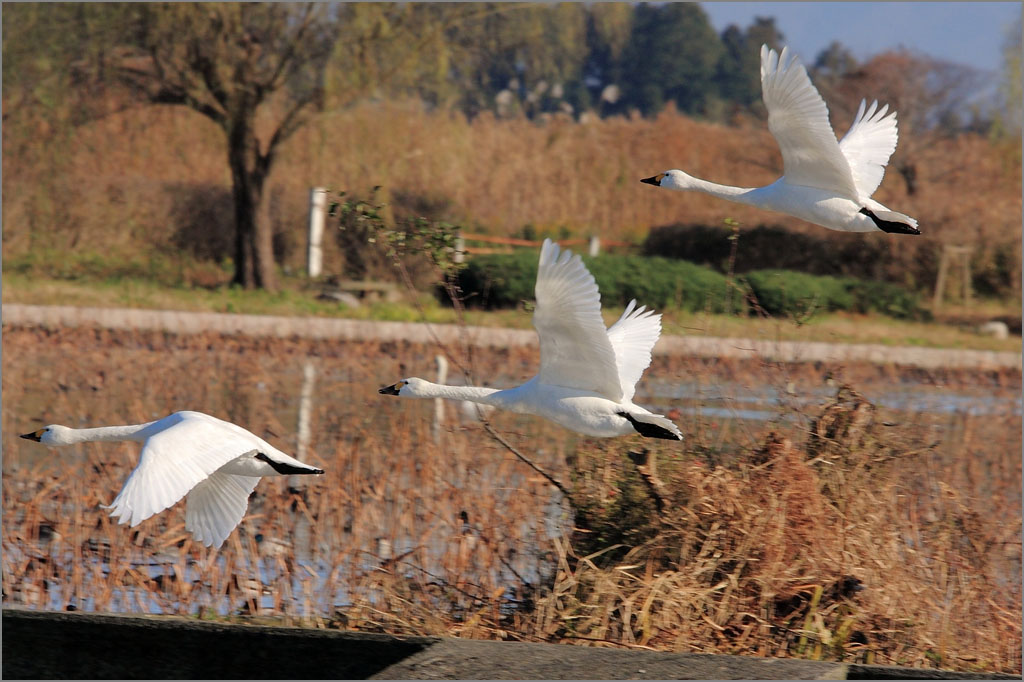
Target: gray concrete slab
column 454, row 659
column 56, row 645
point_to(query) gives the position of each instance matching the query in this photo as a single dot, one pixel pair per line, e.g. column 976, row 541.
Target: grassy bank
column 298, row 296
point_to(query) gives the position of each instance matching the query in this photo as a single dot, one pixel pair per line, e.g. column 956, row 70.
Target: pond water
column 733, row 400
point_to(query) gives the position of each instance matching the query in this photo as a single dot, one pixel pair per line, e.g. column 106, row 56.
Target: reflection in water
column 763, row 402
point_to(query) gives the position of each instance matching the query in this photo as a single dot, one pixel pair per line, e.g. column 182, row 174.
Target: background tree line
column 261, row 71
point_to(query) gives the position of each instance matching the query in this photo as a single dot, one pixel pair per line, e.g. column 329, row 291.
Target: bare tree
column 254, row 69
column 930, row 96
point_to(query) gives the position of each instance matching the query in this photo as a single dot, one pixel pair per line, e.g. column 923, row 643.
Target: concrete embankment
column 181, row 322
column 55, row 645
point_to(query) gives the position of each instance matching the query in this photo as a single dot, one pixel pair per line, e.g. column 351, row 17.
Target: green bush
column 502, row 281
column 498, row 281
column 658, row 282
column 795, row 294
column 870, row 256
column 887, row 299
column 773, row 247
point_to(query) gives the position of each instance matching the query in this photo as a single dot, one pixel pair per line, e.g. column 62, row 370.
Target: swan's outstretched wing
column 216, row 505
column 867, row 146
column 798, row 118
column 574, row 348
column 188, row 448
column 632, row 339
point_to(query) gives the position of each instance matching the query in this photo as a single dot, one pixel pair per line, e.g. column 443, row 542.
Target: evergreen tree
column 834, row 62
column 736, row 82
column 672, row 55
column 739, row 69
column 519, row 57
column 763, row 32
column 608, row 30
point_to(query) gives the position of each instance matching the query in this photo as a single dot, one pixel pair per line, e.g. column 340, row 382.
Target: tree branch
column 551, row 479
column 208, row 72
column 290, row 50
column 646, row 463
column 289, row 124
column 165, row 92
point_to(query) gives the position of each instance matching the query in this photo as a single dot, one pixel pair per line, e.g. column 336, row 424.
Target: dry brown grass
column 158, row 176
column 737, row 541
column 761, row 559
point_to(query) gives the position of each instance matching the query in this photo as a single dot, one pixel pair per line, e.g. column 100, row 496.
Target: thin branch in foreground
column 551, row 479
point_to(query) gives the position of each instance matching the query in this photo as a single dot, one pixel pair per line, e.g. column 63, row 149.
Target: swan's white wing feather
column 868, row 144
column 184, row 450
column 632, row 339
column 574, row 348
column 798, row 119
column 216, row 505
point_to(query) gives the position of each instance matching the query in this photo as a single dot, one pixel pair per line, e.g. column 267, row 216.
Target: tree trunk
column 254, row 246
column 908, row 171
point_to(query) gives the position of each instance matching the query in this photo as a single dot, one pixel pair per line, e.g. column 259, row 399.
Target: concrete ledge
column 56, row 645
column 465, row 659
column 181, row 322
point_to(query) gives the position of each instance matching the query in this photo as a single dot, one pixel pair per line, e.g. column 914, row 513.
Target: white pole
column 460, row 248
column 305, row 409
column 594, row 246
column 442, row 377
column 317, row 211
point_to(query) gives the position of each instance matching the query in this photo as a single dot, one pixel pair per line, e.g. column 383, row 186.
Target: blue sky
column 971, row 33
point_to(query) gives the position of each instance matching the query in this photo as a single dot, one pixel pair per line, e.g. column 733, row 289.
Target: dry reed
column 751, row 537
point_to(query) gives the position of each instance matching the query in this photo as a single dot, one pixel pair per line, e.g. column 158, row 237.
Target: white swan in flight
column 825, row 182
column 587, row 373
column 216, row 463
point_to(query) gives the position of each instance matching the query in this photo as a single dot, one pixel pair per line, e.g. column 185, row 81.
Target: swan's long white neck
column 741, row 195
column 475, row 394
column 70, row 436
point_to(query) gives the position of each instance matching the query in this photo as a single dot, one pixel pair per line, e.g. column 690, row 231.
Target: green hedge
column 791, row 294
column 788, row 293
column 503, row 281
column 825, row 252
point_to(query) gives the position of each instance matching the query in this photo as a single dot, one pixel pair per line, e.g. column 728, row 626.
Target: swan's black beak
column 390, row 390
column 654, row 179
column 35, row 435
